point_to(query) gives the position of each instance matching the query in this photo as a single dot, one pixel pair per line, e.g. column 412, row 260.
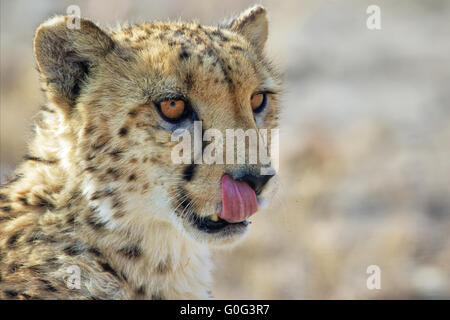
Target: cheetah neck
column 156, row 259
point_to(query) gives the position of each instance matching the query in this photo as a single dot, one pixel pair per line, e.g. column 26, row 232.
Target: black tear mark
column 189, row 172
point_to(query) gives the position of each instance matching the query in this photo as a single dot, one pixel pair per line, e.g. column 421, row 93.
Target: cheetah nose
column 256, row 182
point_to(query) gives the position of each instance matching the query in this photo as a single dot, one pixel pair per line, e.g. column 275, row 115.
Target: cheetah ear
column 65, row 52
column 253, row 25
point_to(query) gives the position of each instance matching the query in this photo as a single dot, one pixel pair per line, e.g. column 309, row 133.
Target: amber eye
column 172, row 109
column 258, row 102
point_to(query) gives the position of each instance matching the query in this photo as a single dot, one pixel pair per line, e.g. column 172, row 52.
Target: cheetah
column 97, row 209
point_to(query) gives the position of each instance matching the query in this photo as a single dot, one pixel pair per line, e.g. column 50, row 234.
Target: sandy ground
column 365, row 135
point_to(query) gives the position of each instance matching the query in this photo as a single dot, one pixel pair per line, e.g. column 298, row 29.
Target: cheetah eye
column 258, row 102
column 173, row 110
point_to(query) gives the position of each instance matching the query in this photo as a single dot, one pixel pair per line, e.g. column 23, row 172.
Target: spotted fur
column 98, row 189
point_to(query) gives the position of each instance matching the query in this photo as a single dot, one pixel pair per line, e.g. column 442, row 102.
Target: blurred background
column 364, row 139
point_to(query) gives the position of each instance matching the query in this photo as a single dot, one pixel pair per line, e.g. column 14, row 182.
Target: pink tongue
column 238, row 200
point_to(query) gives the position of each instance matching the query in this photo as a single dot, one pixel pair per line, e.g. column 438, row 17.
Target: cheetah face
column 131, row 95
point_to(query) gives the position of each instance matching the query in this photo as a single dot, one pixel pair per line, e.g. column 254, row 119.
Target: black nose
column 256, row 182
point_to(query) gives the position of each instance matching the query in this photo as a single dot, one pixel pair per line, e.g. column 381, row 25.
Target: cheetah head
column 130, row 95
